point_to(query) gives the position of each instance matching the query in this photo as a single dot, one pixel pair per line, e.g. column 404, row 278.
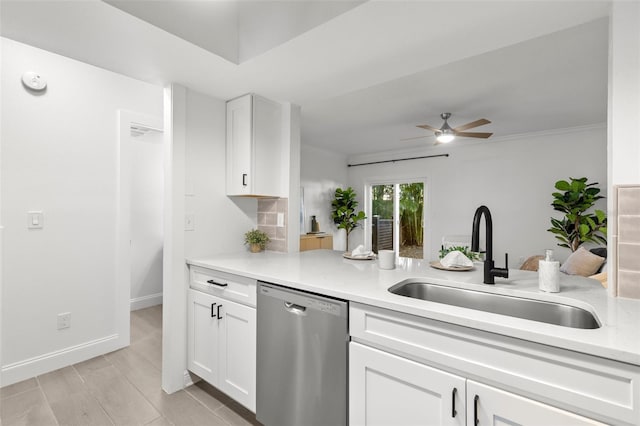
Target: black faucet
column 490, row 272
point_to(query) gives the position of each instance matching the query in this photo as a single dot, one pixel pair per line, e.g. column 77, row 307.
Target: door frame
column 123, row 217
column 426, row 209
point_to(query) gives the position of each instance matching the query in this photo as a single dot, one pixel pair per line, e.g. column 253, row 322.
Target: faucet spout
column 490, row 271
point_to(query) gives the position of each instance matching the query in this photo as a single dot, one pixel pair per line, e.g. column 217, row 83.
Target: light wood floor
column 120, row 388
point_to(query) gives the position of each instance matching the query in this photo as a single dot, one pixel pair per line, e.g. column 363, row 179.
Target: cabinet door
column 487, row 405
column 238, row 353
column 268, row 149
column 386, row 389
column 326, row 242
column 239, row 155
column 203, row 335
column 309, row 243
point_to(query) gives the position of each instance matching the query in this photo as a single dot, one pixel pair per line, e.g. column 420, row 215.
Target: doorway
column 146, row 210
column 397, row 218
column 140, row 216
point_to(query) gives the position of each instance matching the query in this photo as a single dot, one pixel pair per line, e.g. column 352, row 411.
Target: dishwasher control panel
column 305, row 300
column 323, row 306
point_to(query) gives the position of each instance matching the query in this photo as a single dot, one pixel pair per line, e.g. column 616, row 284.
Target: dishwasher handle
column 295, row 309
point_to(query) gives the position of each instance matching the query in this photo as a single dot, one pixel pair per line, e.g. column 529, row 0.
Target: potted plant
column 256, row 239
column 343, row 211
column 577, row 226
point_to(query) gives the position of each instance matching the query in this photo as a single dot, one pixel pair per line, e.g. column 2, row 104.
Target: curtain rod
column 399, row 159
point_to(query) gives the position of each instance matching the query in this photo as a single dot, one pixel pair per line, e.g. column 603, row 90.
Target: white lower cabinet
column 487, row 405
column 386, row 389
column 203, row 335
column 403, row 370
column 222, row 345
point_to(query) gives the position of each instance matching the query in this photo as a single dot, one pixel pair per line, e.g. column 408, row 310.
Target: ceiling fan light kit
column 446, row 133
column 445, row 136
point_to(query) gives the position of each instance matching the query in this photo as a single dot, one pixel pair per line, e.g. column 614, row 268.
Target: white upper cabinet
column 255, row 148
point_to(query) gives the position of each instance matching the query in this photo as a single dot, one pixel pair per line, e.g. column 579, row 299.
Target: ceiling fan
column 446, row 133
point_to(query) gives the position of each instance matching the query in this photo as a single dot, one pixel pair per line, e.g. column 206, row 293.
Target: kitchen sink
column 535, row 310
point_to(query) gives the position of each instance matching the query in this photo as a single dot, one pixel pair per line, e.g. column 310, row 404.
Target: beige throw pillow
column 582, row 262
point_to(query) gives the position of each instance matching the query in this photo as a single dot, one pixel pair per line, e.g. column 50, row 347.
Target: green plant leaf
column 578, row 225
column 584, row 230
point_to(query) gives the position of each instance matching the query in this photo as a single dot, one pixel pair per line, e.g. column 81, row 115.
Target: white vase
column 340, row 240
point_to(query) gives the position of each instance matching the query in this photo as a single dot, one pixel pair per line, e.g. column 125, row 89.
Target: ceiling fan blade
column 474, row 134
column 417, row 137
column 477, row 123
column 427, row 127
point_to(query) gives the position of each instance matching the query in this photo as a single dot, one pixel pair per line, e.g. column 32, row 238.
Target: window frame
column 426, row 237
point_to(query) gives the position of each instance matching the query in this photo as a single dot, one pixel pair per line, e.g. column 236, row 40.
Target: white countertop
column 327, row 272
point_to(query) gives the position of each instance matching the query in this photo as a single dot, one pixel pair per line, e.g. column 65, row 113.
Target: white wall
column 194, row 185
column 60, row 155
column 624, row 93
column 513, row 177
column 624, row 113
column 291, row 156
column 321, row 172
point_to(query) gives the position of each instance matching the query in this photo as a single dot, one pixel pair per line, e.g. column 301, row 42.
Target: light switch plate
column 35, row 220
column 280, row 220
column 189, row 222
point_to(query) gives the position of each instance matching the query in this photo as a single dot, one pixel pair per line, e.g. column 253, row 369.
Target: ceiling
column 365, row 73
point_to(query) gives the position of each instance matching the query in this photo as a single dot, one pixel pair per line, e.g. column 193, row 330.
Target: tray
column 347, row 255
column 436, row 264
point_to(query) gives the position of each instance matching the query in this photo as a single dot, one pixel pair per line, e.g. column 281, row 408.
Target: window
column 396, row 212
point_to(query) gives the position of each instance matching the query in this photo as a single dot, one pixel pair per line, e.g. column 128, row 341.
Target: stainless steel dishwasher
column 302, row 358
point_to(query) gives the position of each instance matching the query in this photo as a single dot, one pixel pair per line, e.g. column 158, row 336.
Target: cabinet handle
column 219, row 306
column 244, row 179
column 217, row 283
column 453, row 402
column 476, row 421
column 212, row 314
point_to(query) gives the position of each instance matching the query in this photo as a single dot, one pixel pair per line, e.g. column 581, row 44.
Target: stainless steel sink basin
column 536, row 310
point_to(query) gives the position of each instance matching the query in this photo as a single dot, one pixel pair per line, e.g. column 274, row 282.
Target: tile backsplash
column 268, row 210
column 628, row 241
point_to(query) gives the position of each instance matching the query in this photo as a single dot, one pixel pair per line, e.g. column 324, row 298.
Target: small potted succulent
column 256, row 239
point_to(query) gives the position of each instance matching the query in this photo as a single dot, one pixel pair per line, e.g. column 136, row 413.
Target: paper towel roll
column 549, row 276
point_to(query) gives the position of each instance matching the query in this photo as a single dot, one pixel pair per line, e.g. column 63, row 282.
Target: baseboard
column 146, row 301
column 190, row 379
column 51, row 361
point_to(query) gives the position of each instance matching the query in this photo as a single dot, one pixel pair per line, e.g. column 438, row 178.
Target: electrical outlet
column 64, row 320
column 280, row 220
